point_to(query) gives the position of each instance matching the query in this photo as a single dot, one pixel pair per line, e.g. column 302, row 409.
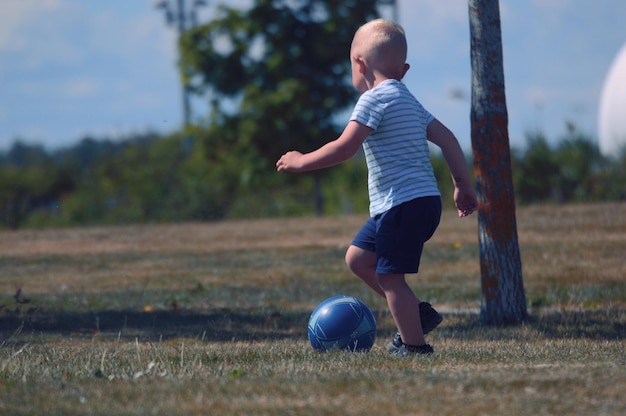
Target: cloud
column 552, row 5
column 19, row 13
column 438, row 18
column 129, row 36
column 78, row 88
column 33, row 34
column 435, row 28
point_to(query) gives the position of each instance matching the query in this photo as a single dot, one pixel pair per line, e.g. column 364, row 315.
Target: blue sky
column 76, row 68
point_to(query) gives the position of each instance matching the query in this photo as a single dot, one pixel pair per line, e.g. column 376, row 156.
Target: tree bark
column 503, row 298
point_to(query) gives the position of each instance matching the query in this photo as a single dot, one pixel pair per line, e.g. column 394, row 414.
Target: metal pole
column 182, row 27
column 180, row 17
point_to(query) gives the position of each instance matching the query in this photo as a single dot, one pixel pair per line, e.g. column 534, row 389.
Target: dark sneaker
column 429, row 318
column 395, row 345
column 403, row 350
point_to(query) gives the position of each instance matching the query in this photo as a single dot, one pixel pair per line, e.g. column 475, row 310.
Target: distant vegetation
column 183, row 177
column 259, row 108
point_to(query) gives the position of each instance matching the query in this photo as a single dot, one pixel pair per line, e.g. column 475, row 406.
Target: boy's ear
column 405, row 70
column 361, row 63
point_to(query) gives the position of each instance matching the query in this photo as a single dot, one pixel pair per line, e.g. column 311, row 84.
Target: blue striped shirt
column 396, row 152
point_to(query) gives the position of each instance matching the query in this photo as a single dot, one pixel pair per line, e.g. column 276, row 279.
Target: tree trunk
column 503, row 298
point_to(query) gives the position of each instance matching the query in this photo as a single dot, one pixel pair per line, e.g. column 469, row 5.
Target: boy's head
column 379, row 46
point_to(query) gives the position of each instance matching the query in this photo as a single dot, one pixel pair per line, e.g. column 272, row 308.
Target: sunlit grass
column 475, row 370
column 211, row 319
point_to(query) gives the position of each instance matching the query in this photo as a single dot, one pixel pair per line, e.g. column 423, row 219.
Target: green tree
column 537, row 171
column 503, row 296
column 22, row 155
column 579, row 162
column 30, row 183
column 278, row 73
column 610, row 183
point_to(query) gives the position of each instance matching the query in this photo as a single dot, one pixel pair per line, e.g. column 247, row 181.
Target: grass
column 211, row 319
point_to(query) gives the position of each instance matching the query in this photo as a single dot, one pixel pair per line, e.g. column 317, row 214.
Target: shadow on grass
column 224, row 325
column 604, row 324
column 210, row 324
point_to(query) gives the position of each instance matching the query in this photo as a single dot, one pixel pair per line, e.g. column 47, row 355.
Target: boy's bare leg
column 404, row 307
column 363, row 264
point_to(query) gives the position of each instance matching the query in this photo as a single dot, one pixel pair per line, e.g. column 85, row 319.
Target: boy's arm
column 332, row 153
column 464, row 196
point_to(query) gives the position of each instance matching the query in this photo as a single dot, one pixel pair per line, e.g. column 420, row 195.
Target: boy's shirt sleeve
column 368, row 110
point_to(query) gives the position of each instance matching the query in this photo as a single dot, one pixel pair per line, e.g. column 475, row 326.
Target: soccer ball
column 342, row 322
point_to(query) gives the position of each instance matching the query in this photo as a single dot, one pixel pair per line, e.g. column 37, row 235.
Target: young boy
column 405, row 203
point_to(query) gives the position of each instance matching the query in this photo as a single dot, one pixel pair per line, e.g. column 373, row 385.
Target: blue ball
column 342, row 322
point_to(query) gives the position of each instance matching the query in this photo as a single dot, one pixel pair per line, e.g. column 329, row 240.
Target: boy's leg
column 363, row 264
column 404, row 307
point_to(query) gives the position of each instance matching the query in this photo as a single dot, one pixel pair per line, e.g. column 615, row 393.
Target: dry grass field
column 210, row 318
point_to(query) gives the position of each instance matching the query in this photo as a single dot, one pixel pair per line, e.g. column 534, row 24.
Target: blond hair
column 382, row 44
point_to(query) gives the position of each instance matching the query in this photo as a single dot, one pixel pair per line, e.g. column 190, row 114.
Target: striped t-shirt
column 396, row 152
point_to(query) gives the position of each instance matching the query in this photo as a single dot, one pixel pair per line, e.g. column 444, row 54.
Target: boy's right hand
column 289, row 162
column 465, row 201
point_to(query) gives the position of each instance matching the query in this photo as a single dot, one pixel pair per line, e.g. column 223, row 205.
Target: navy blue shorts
column 397, row 236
